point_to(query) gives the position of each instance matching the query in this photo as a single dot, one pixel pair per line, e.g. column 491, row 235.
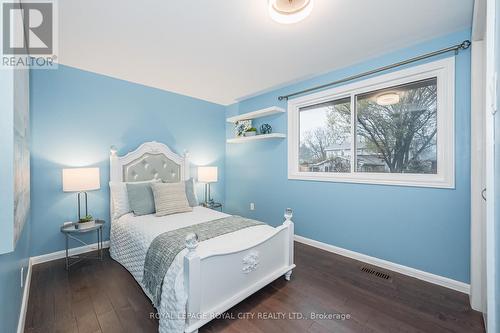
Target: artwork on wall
column 242, row 126
column 21, row 151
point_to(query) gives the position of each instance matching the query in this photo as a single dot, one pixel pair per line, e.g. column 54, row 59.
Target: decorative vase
column 266, row 129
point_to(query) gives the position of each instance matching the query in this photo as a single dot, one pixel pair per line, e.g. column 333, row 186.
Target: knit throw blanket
column 165, row 247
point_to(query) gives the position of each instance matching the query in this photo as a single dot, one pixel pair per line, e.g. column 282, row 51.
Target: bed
column 206, row 278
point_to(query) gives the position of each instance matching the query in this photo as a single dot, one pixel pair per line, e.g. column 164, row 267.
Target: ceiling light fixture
column 388, row 99
column 290, row 11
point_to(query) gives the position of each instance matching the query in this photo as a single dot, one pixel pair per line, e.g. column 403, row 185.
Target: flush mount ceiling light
column 289, row 11
column 388, row 99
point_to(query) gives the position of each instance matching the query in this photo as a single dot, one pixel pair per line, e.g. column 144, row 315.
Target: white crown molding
column 418, row 274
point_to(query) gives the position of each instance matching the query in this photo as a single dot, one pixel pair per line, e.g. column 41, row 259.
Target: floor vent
column 378, row 274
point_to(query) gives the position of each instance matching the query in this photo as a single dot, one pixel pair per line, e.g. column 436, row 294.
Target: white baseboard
column 421, row 275
column 24, row 303
column 61, row 254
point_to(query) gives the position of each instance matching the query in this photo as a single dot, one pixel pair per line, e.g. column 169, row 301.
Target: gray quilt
column 165, row 247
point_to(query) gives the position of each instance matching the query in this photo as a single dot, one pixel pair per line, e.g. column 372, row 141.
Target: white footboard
column 217, row 282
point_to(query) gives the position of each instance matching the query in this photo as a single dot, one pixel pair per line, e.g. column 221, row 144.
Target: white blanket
column 130, row 239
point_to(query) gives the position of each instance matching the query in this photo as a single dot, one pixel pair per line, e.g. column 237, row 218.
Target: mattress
column 130, row 239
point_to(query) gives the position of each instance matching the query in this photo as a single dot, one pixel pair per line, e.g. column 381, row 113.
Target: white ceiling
column 223, row 50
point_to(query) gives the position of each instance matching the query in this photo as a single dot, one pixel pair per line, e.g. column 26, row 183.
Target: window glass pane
column 396, row 129
column 325, row 137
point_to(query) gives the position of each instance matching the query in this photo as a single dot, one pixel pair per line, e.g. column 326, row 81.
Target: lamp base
column 79, row 208
column 208, row 199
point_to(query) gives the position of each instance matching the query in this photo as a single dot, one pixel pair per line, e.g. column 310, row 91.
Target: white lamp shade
column 81, row 179
column 207, row 174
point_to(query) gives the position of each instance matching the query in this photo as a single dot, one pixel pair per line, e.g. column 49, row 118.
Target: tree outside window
column 395, row 132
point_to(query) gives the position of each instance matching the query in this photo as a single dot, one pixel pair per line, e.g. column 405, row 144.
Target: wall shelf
column 256, row 138
column 256, row 114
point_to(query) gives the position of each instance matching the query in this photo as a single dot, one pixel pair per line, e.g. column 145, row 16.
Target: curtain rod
column 463, row 46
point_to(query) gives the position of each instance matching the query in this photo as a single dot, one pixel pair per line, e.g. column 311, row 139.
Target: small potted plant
column 86, row 222
column 252, row 131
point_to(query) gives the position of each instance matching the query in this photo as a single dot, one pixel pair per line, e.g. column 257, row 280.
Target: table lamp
column 207, row 175
column 81, row 180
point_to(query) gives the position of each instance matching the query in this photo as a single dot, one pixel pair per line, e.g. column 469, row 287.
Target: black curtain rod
column 463, row 46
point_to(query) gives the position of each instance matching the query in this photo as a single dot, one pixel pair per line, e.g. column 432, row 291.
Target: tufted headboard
column 151, row 160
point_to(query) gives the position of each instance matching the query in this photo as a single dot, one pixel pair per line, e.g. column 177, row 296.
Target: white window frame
column 443, row 70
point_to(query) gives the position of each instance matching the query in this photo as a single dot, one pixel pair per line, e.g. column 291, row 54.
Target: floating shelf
column 257, row 137
column 256, row 114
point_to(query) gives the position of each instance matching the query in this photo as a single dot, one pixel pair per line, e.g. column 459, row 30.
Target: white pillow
column 119, row 196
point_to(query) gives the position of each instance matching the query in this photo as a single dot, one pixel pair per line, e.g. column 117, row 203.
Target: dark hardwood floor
column 103, row 297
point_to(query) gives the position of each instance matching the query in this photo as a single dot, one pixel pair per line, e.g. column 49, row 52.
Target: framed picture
column 21, row 152
column 242, row 126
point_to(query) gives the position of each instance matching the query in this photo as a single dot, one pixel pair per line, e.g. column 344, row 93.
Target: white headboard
column 151, row 160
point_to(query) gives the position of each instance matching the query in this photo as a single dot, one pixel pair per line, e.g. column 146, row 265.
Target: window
column 325, row 137
column 394, row 129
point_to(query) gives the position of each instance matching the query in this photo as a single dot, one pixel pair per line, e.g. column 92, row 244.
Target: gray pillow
column 140, row 198
column 170, row 198
column 191, row 193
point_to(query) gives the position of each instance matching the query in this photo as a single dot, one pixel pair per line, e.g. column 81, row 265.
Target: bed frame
column 217, row 281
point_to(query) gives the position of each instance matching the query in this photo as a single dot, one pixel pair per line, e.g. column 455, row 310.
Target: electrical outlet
column 252, row 206
column 22, row 277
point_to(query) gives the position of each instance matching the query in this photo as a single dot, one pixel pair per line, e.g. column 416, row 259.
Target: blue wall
column 423, row 228
column 78, row 115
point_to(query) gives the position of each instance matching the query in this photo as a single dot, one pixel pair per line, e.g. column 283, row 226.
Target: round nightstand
column 72, row 230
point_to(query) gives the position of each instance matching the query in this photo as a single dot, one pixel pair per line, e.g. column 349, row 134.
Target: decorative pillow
column 140, row 197
column 191, row 193
column 170, row 198
column 119, row 195
column 120, row 199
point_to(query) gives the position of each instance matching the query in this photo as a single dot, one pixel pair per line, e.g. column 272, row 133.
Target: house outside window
column 393, row 129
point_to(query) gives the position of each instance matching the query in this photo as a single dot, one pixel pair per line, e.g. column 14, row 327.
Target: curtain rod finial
column 465, row 44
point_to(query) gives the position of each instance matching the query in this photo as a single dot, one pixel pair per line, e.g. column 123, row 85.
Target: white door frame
column 491, row 100
column 478, row 159
column 478, row 178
